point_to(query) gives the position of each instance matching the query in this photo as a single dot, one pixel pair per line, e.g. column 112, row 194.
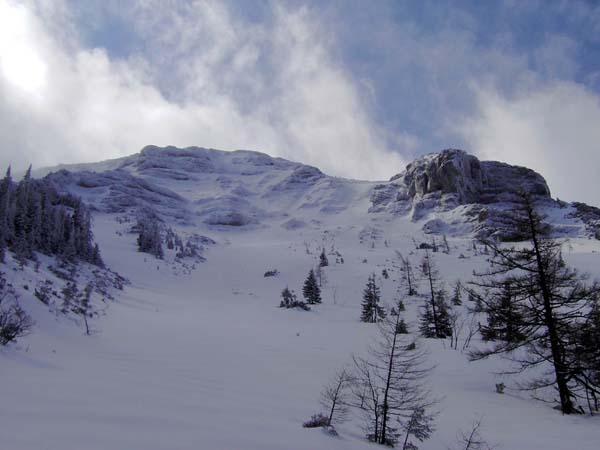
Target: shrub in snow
column 316, row 421
column 471, row 439
column 14, row 321
column 271, row 273
column 320, row 421
column 289, row 300
column 43, row 292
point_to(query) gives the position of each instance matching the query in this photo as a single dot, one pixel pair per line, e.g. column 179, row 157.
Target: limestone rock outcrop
column 454, row 180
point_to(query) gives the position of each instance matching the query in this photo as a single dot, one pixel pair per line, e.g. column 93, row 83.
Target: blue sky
column 355, row 87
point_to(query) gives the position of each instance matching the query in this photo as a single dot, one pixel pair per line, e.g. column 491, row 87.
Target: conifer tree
column 552, row 299
column 401, row 327
column 587, row 357
column 5, row 187
column 323, row 261
column 435, row 319
column 22, row 224
column 457, row 294
column 504, row 320
column 438, row 326
column 149, row 239
column 371, row 310
column 419, row 426
column 311, row 290
column 35, row 218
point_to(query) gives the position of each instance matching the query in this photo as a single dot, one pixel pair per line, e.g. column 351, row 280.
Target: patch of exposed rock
column 590, row 216
column 454, row 181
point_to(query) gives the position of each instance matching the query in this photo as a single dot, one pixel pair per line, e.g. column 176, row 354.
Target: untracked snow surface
column 199, row 355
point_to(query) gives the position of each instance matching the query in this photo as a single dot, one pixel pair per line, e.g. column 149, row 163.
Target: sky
column 357, row 88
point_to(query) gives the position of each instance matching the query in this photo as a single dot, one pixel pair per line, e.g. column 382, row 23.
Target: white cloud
column 62, row 102
column 552, row 129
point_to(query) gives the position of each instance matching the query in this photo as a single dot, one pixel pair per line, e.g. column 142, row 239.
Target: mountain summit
column 450, row 192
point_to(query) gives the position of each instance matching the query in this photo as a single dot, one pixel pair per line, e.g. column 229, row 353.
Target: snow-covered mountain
column 454, row 192
column 449, row 192
column 195, row 353
column 206, row 186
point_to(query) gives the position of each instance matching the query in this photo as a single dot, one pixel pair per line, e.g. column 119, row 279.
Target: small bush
column 289, row 300
column 317, row 421
column 401, row 327
column 42, row 294
column 14, row 323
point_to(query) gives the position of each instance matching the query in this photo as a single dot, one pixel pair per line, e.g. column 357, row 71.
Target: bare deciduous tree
column 334, row 398
column 390, row 387
column 408, row 275
column 472, row 439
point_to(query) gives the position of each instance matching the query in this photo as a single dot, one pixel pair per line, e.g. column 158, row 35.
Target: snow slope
column 199, row 356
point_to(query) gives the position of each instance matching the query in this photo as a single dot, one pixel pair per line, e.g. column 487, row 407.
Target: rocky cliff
column 455, row 192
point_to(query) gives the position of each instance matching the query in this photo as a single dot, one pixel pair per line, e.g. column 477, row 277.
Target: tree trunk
column 387, row 383
column 561, row 382
column 434, row 312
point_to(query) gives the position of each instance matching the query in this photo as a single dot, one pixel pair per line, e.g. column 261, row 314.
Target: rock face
column 443, row 182
column 469, row 180
column 589, row 215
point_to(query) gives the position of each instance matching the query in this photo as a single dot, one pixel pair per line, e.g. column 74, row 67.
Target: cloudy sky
column 357, row 88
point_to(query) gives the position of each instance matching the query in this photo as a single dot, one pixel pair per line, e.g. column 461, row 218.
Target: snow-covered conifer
column 311, row 290
column 372, row 311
